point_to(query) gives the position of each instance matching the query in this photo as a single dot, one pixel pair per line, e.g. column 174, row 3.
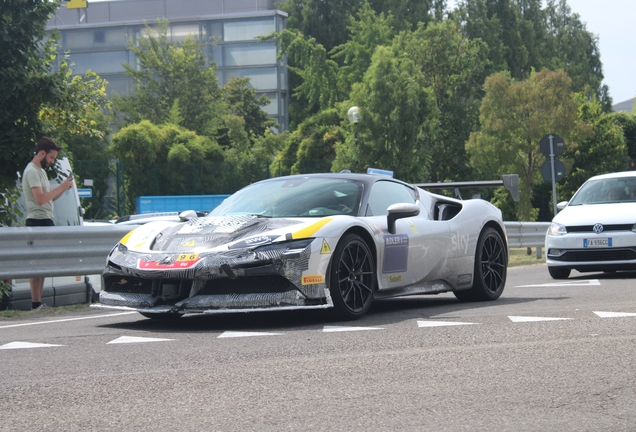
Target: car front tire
column 352, row 278
column 559, row 272
column 491, row 265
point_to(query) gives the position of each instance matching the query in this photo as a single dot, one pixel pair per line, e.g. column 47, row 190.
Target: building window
column 249, row 54
column 99, row 62
column 272, row 108
column 94, row 39
column 260, row 78
column 180, row 32
column 117, row 85
column 247, row 29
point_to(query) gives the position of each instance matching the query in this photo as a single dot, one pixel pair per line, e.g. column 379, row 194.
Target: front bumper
column 572, row 251
column 231, row 281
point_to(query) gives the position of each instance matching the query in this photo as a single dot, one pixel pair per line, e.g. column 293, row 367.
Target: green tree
column 166, row 160
column 522, row 36
column 251, row 163
column 311, row 146
column 600, row 152
column 628, row 123
column 498, row 24
column 312, row 76
column 240, row 100
column 398, row 116
column 323, row 21
column 35, row 98
column 170, row 72
column 90, row 159
column 410, row 13
column 453, row 67
column 514, row 116
column 368, row 30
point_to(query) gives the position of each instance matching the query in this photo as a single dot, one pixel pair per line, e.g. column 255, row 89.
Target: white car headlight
column 556, row 229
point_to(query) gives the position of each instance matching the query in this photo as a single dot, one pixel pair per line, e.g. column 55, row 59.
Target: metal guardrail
column 27, row 252
column 82, row 250
column 527, row 234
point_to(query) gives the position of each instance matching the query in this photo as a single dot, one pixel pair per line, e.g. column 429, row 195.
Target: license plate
column 597, row 243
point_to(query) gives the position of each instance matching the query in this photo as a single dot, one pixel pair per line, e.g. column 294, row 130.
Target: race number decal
column 396, row 253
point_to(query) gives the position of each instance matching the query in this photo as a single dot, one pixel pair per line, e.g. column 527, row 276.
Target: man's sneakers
column 39, row 308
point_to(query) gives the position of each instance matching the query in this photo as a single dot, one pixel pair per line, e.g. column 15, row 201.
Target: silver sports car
column 596, row 229
column 334, row 241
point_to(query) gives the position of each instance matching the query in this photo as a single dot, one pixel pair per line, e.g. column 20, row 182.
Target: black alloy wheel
column 491, row 264
column 352, row 278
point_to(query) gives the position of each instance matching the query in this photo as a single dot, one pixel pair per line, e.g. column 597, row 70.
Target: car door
column 417, row 250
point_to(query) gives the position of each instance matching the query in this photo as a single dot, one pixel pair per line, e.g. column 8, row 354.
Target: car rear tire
column 491, row 265
column 352, row 278
column 559, row 272
column 162, row 315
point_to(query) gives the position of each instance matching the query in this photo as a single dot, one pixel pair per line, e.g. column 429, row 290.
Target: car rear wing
column 509, row 181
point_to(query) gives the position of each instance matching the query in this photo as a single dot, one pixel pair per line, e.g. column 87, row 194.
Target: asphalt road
column 546, row 356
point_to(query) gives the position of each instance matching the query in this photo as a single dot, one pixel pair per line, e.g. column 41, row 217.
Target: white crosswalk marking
column 22, row 345
column 535, row 319
column 615, row 314
column 331, row 329
column 442, row 323
column 235, row 334
column 591, row 282
column 136, row 339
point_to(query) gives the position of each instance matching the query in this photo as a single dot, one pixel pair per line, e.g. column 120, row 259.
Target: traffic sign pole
column 552, row 170
column 554, row 199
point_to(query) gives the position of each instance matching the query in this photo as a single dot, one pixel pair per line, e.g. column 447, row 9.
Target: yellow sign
column 325, row 249
column 313, row 279
column 76, row 4
column 395, row 278
column 190, row 243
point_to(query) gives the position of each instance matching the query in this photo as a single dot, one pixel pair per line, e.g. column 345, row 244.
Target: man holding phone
column 39, row 199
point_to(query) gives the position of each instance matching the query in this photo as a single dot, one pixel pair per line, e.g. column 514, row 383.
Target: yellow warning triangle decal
column 325, row 249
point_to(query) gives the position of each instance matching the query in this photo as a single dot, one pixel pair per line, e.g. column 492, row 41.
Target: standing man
column 39, row 199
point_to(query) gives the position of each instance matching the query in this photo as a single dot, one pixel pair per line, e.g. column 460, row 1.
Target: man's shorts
column 39, row 222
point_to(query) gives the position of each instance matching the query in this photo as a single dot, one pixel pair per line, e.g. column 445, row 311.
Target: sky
column 614, row 23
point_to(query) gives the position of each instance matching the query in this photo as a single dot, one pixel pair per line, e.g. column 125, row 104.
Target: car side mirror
column 187, row 215
column 399, row 211
column 561, row 205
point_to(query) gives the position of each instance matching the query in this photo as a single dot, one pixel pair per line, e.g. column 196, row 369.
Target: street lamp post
column 354, row 114
column 354, row 117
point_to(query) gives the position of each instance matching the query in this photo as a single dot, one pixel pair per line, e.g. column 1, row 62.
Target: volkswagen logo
column 598, row 228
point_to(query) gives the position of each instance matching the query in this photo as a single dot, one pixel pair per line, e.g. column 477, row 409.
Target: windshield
column 603, row 191
column 294, row 197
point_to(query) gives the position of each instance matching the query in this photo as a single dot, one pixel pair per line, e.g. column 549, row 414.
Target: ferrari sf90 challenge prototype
column 334, row 241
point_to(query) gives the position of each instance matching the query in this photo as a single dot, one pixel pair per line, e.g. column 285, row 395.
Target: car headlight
column 556, row 229
column 288, row 247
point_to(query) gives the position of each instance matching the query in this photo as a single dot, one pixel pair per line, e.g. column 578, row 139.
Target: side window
column 385, row 193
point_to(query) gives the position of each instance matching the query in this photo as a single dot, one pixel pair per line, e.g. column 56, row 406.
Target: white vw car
column 596, row 229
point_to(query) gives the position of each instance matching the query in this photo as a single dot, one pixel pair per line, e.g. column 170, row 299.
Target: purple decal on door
column 396, row 253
